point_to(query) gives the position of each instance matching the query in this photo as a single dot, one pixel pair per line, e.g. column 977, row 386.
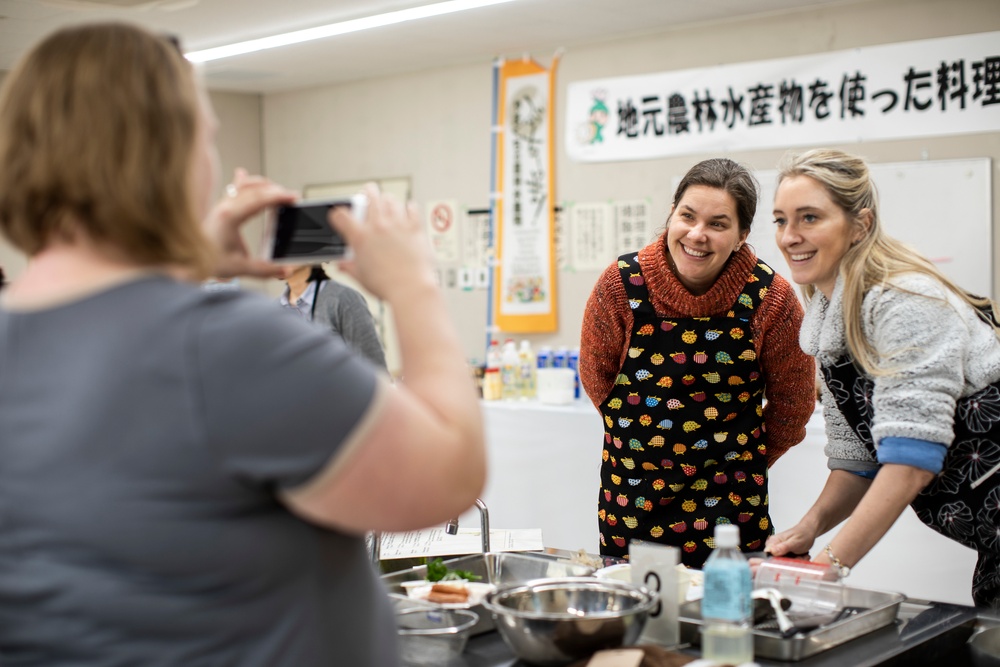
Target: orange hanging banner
column 525, row 278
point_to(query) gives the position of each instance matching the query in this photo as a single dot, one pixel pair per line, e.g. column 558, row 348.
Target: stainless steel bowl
column 433, row 636
column 497, row 568
column 551, row 622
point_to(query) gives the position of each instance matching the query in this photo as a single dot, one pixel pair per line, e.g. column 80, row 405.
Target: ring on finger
column 231, row 190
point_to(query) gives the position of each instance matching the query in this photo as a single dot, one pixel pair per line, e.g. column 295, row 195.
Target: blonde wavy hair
column 97, row 137
column 874, row 259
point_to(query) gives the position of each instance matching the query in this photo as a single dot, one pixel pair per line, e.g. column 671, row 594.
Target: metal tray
column 495, row 568
column 881, row 609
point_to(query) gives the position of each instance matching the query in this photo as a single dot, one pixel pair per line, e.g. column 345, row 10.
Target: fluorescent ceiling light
column 341, row 28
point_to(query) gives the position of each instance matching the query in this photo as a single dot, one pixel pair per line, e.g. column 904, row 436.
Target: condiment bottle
column 492, row 386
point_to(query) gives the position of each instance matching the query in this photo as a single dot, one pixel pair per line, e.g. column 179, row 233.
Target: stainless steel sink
column 494, row 568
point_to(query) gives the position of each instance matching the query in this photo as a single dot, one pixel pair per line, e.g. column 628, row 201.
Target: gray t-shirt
column 144, row 432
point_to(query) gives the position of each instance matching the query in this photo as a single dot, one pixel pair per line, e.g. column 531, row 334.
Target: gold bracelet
column 842, row 570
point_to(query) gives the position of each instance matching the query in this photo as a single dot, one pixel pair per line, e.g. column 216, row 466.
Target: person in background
column 3, row 278
column 194, row 487
column 681, row 343
column 334, row 306
column 911, row 369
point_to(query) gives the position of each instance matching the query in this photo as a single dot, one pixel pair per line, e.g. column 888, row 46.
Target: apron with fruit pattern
column 684, row 445
column 963, row 502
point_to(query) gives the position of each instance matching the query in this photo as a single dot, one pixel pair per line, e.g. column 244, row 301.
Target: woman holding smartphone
column 186, row 479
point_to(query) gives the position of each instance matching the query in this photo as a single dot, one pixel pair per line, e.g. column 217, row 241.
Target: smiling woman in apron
column 681, row 342
column 911, row 365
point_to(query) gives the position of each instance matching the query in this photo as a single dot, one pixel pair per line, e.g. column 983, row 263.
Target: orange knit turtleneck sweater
column 789, row 373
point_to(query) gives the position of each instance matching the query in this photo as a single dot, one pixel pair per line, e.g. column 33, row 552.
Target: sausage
column 448, row 594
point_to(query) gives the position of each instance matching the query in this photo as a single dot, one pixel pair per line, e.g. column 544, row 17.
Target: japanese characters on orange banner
column 525, row 279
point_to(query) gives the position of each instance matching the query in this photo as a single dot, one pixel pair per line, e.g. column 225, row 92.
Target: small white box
column 556, row 385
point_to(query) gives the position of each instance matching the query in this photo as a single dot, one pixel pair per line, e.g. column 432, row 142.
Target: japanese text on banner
column 931, row 87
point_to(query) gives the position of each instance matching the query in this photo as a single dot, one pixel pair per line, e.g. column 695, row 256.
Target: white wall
column 11, row 261
column 435, row 126
column 240, row 145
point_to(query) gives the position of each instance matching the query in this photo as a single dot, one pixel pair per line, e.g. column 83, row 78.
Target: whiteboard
column 943, row 208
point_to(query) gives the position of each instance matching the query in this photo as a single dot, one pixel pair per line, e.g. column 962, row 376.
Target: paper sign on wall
column 591, row 236
column 525, row 285
column 633, row 227
column 443, row 230
column 475, row 239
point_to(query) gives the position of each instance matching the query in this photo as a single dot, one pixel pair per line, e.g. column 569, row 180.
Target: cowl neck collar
column 822, row 334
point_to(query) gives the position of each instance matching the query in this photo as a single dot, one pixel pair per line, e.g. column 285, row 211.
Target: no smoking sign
column 443, row 230
column 441, row 218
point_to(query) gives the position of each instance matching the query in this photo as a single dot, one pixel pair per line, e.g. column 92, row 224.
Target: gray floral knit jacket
column 935, row 346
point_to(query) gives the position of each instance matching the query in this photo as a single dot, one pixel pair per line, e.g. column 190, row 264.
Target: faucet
column 374, row 539
column 451, row 528
column 374, row 543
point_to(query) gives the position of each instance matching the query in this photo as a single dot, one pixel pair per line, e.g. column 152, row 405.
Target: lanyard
column 312, row 311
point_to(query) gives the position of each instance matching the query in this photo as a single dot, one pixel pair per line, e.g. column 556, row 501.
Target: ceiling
column 474, row 36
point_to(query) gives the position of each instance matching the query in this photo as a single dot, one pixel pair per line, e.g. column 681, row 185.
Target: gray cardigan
column 344, row 311
column 941, row 348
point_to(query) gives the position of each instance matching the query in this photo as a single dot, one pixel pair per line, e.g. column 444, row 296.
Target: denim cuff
column 921, row 454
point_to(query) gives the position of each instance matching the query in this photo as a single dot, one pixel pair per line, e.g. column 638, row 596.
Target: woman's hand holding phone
column 391, row 253
column 247, row 196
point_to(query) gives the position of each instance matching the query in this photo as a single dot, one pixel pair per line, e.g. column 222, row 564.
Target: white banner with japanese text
column 525, row 293
column 943, row 86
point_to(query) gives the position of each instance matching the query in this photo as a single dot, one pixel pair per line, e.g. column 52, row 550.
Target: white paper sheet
column 591, row 236
column 432, row 542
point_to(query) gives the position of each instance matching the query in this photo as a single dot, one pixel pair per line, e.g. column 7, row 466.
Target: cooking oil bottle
column 727, row 637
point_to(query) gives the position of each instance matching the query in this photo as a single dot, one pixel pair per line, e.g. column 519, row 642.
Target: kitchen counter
column 925, row 633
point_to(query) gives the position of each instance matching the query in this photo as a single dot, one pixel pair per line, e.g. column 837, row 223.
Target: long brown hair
column 97, row 133
column 877, row 257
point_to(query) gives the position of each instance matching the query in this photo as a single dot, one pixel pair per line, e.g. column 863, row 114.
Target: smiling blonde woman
column 911, row 369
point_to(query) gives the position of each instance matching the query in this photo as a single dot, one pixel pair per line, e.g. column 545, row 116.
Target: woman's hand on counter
column 793, row 542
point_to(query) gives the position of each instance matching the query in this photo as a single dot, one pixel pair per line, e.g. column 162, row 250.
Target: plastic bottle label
column 573, row 361
column 727, row 591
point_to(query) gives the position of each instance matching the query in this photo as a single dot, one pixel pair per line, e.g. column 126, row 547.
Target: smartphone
column 301, row 233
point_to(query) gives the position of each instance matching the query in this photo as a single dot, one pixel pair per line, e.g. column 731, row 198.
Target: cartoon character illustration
column 598, row 118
